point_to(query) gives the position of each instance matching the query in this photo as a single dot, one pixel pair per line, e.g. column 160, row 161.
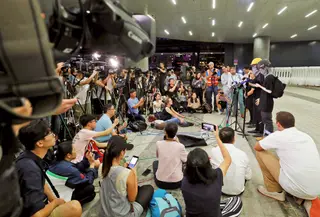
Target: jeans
column 136, row 117
column 267, row 122
column 209, row 91
column 164, row 185
column 175, row 120
column 238, row 100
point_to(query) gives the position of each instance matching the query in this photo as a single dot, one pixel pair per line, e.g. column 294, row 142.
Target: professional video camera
column 27, row 63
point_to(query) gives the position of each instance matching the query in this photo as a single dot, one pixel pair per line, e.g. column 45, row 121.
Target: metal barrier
column 298, row 75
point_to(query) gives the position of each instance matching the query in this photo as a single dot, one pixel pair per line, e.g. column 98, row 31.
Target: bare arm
column 107, row 131
column 132, row 186
column 101, row 145
column 258, row 147
column 224, row 166
column 48, row 192
column 87, row 81
column 250, row 92
column 47, row 210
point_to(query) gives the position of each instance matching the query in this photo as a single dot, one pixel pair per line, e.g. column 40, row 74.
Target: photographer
column 125, row 79
column 82, row 85
column 163, row 75
column 134, row 104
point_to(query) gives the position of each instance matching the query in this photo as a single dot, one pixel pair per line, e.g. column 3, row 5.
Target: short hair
column 132, row 91
column 32, row 133
column 226, row 135
column 107, row 107
column 64, row 148
column 286, row 119
column 247, row 67
column 85, row 119
column 171, row 129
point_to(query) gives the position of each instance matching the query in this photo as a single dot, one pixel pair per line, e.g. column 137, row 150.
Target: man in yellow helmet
column 259, row 79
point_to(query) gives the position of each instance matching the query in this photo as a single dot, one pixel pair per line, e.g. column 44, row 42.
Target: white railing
column 298, row 75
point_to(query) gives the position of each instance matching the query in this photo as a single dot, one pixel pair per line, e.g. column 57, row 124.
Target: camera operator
column 82, row 86
column 163, row 75
column 124, row 78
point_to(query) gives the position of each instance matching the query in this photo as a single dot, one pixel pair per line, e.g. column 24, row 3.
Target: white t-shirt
column 82, row 91
column 299, row 162
column 80, row 141
column 157, row 106
column 238, row 172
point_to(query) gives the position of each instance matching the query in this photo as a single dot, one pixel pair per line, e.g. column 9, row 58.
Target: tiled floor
column 255, row 205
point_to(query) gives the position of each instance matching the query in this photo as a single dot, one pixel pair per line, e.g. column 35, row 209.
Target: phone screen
column 133, row 162
column 208, row 127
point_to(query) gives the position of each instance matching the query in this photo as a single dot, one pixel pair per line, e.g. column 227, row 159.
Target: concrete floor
column 296, row 100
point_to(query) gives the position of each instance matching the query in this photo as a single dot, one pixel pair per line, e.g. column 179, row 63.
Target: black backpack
column 137, row 126
column 278, row 88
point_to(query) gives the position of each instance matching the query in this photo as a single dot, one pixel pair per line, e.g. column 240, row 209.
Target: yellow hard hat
column 255, row 61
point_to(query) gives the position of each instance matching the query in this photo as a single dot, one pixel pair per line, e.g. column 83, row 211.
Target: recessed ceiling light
column 312, row 27
column 88, row 12
column 190, row 33
column 265, row 25
column 183, row 20
column 174, row 2
column 240, row 24
column 167, row 32
column 254, row 35
column 282, row 10
column 213, row 22
column 293, row 36
column 212, row 34
column 312, row 12
column 250, row 6
column 213, row 4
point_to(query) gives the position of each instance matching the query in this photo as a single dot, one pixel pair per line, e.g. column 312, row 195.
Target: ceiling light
column 213, row 4
column 240, row 24
column 213, row 22
column 265, row 25
column 88, row 12
column 174, row 2
column 254, row 35
column 293, row 36
column 282, row 10
column 312, row 27
column 183, row 20
column 167, row 32
column 190, row 33
column 113, row 62
column 212, row 34
column 250, row 6
column 309, row 14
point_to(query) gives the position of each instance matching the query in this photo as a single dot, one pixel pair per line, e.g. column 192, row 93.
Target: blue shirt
column 103, row 123
column 131, row 103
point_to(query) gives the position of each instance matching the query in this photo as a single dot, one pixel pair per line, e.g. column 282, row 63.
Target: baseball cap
column 255, row 61
column 117, row 144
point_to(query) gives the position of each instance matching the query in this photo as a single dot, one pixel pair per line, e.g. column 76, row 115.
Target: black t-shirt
column 266, row 99
column 172, row 94
column 258, row 80
column 203, row 200
column 166, row 115
column 31, row 181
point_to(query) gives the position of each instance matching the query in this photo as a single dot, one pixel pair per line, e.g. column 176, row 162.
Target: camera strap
column 31, row 156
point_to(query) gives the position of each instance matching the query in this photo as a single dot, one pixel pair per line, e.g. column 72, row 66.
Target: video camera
column 27, row 63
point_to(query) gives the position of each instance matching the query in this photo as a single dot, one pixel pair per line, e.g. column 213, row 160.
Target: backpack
column 137, row 126
column 278, row 88
column 207, row 108
column 164, row 204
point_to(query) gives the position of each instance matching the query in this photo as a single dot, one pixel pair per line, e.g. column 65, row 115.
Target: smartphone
column 133, row 162
column 208, row 127
column 146, row 172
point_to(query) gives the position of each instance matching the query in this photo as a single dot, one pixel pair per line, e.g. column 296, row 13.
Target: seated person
column 157, row 105
column 193, row 103
column 38, row 199
column 183, row 101
column 80, row 176
column 201, row 186
column 239, row 170
column 128, row 199
column 87, row 133
column 169, row 115
column 105, row 123
column 134, row 104
column 171, row 154
column 296, row 169
column 222, row 100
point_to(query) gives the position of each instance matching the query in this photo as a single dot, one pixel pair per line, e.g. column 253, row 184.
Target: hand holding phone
column 208, row 127
column 133, row 162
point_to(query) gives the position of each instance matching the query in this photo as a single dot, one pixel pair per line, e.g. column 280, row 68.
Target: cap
column 211, row 63
column 255, row 61
column 118, row 144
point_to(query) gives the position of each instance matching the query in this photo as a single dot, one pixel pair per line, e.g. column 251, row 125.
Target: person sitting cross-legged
column 171, row 155
column 134, row 104
column 296, row 169
column 201, row 186
column 73, row 181
column 239, row 170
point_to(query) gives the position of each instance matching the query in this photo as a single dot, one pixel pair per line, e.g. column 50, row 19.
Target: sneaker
column 219, row 112
column 275, row 195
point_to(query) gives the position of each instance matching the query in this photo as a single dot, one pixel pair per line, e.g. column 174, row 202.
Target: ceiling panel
column 228, row 14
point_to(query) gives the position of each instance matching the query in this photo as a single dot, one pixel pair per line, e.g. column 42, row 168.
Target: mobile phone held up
column 208, row 127
column 133, row 162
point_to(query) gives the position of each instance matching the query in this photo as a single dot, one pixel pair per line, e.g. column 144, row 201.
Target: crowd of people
column 61, row 185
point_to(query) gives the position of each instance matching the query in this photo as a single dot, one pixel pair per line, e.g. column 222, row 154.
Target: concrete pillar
column 142, row 64
column 261, row 47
